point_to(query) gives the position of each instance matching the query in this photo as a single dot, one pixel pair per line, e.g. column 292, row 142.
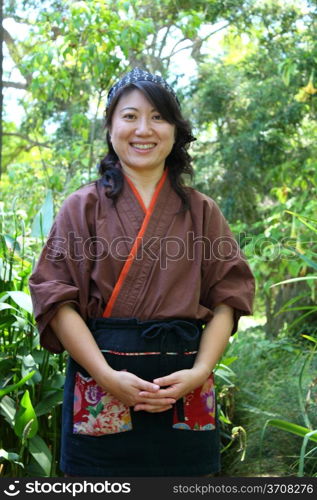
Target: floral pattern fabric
column 97, row 412
column 199, row 409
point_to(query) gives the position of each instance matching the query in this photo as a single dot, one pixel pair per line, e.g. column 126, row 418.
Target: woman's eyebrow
column 128, row 107
column 135, row 109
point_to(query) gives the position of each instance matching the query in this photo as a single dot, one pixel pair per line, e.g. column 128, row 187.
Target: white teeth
column 144, row 146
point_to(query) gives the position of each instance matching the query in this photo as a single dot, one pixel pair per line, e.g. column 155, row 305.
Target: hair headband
column 139, row 75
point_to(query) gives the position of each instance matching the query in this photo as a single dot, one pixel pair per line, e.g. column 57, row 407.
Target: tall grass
column 272, row 376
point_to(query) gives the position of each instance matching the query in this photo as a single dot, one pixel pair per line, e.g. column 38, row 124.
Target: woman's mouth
column 143, row 147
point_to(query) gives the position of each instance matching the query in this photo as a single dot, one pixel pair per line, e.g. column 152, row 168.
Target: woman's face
column 140, row 136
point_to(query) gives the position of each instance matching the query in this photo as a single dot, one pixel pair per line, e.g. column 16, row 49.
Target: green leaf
column 12, row 243
column 46, row 405
column 41, row 453
column 229, row 360
column 57, row 381
column 4, row 305
column 13, row 387
column 29, row 364
column 304, row 220
column 43, row 220
column 26, row 418
column 11, row 457
column 308, row 337
column 306, row 259
column 298, row 430
column 293, row 280
column 224, row 419
column 8, row 409
column 22, row 299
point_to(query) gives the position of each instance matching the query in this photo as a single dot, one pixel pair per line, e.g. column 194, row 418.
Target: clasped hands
column 156, row 396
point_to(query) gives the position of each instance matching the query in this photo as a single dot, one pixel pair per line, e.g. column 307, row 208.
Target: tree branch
column 177, row 43
column 163, row 42
column 28, row 139
column 15, row 85
column 13, row 50
column 14, row 53
column 173, row 52
column 18, row 19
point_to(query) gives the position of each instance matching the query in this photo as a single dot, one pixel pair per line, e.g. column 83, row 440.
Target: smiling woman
column 144, row 331
column 140, row 136
column 159, row 99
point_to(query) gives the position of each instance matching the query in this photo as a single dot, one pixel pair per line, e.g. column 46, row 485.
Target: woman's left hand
column 177, row 384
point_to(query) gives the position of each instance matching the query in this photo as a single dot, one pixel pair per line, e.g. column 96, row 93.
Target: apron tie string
column 185, row 331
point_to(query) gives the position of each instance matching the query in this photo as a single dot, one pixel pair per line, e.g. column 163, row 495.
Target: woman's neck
column 144, row 181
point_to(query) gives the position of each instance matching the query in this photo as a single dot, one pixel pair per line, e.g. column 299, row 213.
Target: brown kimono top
column 155, row 263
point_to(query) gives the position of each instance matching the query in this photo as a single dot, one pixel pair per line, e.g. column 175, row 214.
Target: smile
column 143, row 146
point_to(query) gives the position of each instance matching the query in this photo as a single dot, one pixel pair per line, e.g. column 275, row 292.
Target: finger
column 143, row 385
column 162, row 393
column 163, row 381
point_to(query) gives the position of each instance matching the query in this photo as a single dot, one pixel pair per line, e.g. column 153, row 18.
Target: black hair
column 178, row 161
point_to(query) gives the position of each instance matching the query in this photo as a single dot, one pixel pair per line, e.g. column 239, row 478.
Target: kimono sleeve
column 227, row 277
column 55, row 279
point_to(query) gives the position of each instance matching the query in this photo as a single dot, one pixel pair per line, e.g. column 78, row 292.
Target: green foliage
column 273, row 379
column 31, row 380
column 44, row 218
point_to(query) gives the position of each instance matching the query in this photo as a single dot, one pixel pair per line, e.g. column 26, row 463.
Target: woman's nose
column 143, row 127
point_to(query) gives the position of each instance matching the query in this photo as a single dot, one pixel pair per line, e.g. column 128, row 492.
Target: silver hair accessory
column 139, row 75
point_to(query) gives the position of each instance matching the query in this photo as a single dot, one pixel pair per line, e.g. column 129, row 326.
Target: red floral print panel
column 97, row 412
column 199, row 409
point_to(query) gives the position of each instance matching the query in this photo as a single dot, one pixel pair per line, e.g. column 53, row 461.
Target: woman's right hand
column 126, row 387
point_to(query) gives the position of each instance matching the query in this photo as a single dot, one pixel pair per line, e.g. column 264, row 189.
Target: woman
column 142, row 283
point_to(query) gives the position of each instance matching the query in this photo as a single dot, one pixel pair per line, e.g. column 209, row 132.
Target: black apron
column 103, row 437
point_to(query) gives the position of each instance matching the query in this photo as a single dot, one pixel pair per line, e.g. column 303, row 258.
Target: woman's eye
column 129, row 116
column 157, row 117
